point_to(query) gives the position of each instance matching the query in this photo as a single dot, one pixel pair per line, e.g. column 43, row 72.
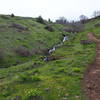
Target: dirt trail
column 92, row 75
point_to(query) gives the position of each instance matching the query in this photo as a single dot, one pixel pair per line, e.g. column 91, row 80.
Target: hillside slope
column 22, row 38
column 58, row 79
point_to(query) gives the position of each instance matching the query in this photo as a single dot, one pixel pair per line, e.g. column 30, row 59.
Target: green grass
column 35, row 38
column 60, row 79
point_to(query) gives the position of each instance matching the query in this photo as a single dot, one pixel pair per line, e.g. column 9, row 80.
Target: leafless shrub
column 61, row 20
column 18, row 26
column 86, row 42
column 49, row 28
column 79, row 27
column 40, row 51
column 96, row 13
column 74, row 27
column 71, row 30
column 97, row 25
column 22, row 51
column 52, row 58
column 83, row 19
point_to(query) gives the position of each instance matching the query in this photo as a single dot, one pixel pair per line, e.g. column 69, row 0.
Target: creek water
column 65, row 38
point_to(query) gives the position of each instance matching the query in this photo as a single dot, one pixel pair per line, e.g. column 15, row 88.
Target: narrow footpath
column 92, row 75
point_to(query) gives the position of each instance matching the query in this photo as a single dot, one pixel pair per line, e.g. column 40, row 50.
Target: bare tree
column 61, row 20
column 96, row 13
column 83, row 18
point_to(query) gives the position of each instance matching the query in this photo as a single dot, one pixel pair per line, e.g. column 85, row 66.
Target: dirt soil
column 92, row 75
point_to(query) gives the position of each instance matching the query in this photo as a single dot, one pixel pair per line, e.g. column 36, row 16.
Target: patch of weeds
column 49, row 28
column 33, row 94
column 77, row 70
column 27, row 78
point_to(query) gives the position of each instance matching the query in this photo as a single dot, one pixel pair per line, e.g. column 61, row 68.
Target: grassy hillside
column 25, row 36
column 33, row 78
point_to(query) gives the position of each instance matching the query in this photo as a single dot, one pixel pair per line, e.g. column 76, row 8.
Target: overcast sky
column 53, row 9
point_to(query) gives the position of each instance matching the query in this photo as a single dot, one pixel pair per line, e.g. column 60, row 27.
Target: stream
column 65, row 38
